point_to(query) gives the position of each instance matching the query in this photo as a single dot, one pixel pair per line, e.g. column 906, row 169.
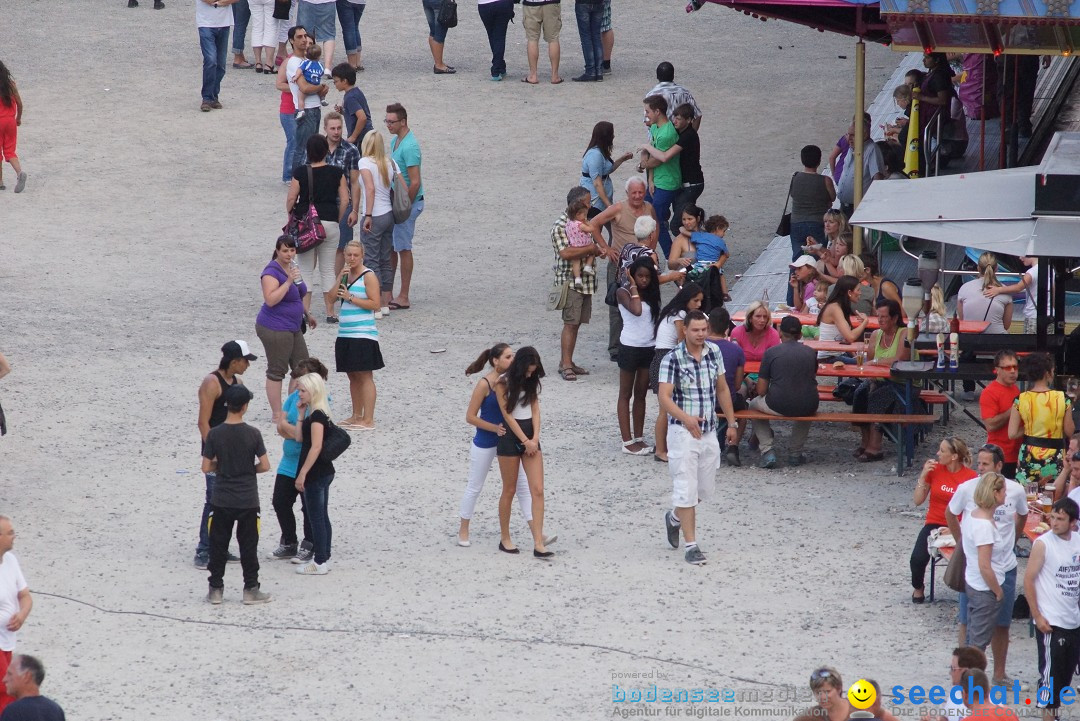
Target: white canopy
column 989, row 211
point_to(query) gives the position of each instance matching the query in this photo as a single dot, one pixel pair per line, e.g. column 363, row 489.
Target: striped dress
column 357, row 322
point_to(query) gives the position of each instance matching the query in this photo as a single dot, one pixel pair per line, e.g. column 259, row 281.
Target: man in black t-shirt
column 23, row 681
column 231, row 450
column 787, row 386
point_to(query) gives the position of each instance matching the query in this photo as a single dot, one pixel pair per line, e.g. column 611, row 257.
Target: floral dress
column 1042, row 454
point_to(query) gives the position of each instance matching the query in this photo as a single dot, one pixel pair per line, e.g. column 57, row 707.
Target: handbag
column 307, row 231
column 447, row 15
column 335, row 441
column 954, row 572
column 558, row 295
column 785, row 220
column 281, row 9
column 400, row 202
column 610, row 298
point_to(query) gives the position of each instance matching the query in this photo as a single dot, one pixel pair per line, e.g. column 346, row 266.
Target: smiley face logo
column 862, row 695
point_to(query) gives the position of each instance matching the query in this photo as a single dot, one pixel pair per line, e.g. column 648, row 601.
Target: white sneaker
column 588, row 270
column 386, row 310
column 313, row 569
column 378, row 315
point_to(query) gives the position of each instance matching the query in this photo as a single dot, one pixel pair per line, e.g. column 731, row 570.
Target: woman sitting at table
column 852, row 265
column 834, row 320
column 879, row 396
column 804, row 277
column 883, row 287
column 829, row 265
column 938, row 480
column 756, row 333
column 1043, row 418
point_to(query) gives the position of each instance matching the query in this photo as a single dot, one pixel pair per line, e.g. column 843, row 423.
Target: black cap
column 237, row 349
column 791, row 325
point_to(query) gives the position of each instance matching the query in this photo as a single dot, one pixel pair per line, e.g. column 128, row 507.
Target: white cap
column 803, row 260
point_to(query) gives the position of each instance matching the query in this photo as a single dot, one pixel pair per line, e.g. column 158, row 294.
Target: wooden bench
column 886, row 419
column 930, row 398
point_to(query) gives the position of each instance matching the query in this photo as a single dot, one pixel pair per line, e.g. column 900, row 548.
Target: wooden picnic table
column 966, row 326
column 826, row 370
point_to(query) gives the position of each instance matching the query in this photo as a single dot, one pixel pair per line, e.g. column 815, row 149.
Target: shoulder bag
column 954, row 572
column 400, row 202
column 558, row 295
column 447, row 15
column 785, row 220
column 308, row 230
column 281, row 9
column 335, row 441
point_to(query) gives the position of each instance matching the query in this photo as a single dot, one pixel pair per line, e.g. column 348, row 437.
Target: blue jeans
column 349, row 16
column 661, row 201
column 305, row 128
column 203, row 548
column 799, row 233
column 435, row 30
column 241, row 15
column 589, row 20
column 288, row 124
column 496, row 17
column 214, row 43
column 317, row 500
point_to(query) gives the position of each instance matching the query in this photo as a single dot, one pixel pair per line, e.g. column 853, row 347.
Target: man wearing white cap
column 235, row 359
column 803, row 274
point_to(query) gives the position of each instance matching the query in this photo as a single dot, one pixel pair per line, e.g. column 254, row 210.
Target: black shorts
column 509, row 445
column 357, row 354
column 1056, row 663
column 632, row 358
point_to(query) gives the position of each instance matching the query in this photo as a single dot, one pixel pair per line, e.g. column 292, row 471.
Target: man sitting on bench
column 787, row 386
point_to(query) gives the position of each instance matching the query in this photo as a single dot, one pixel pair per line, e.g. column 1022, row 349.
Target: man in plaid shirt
column 691, row 383
column 578, row 308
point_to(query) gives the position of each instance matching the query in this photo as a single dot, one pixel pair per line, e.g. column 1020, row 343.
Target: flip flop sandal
column 871, row 457
column 567, row 374
column 397, row 306
column 242, row 66
column 579, row 370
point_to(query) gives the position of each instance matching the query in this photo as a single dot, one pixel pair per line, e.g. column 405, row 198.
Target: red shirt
column 997, row 398
column 943, row 485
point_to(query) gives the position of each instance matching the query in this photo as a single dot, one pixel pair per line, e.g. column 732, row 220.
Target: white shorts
column 693, row 463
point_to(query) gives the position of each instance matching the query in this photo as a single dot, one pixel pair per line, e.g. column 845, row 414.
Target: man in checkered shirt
column 691, row 383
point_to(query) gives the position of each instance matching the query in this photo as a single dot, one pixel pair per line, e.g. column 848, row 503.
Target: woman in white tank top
column 639, row 303
column 520, row 446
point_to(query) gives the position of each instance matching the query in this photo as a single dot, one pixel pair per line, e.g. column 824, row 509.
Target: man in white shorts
column 691, row 382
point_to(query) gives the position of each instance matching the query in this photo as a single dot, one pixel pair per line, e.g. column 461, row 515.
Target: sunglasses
column 821, row 674
column 1009, row 367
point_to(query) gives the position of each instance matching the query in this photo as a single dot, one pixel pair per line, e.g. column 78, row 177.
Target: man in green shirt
column 665, row 177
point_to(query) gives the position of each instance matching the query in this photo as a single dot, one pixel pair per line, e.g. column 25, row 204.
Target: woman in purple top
column 281, row 319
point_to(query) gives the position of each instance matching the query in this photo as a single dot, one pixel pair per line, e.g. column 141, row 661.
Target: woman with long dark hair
column 834, row 319
column 597, row 165
column 484, row 413
column 286, row 299
column 639, row 304
column 670, row 331
column 518, row 391
column 11, row 110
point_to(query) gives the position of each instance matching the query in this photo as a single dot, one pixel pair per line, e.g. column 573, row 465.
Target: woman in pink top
column 756, row 335
column 11, row 109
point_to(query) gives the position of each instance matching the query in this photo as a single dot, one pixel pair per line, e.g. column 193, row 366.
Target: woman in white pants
column 484, row 413
column 264, row 34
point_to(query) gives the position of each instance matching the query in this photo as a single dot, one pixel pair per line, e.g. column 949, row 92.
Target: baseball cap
column 791, row 325
column 237, row 349
column 803, row 260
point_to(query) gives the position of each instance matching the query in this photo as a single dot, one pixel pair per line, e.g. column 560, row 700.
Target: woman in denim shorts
column 320, row 19
column 436, row 37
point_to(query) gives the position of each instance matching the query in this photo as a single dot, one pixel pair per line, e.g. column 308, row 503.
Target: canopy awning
column 855, row 18
column 993, row 210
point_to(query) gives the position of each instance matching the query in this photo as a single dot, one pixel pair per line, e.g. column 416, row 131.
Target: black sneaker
column 796, row 459
column 283, row 552
column 695, row 557
column 305, row 553
column 232, row 558
column 672, row 530
column 202, row 560
column 584, row 78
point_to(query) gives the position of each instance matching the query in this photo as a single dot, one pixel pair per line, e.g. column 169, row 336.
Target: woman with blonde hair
column 316, row 473
column 357, row 349
column 377, row 172
column 988, row 553
column 971, row 304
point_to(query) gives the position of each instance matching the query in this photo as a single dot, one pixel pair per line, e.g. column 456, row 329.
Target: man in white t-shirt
column 214, row 19
column 1009, row 519
column 307, row 124
column 1052, row 586
column 15, row 602
column 1029, row 286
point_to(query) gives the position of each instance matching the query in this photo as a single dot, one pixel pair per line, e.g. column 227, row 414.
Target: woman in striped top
column 357, row 348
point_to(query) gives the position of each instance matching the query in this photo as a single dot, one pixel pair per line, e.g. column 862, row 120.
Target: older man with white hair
column 619, row 219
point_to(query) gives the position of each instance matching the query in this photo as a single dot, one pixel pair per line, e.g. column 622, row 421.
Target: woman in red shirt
column 939, row 480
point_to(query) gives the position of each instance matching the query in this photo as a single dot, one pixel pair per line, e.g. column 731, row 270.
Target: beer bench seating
column 930, row 398
column 939, row 557
column 885, row 419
